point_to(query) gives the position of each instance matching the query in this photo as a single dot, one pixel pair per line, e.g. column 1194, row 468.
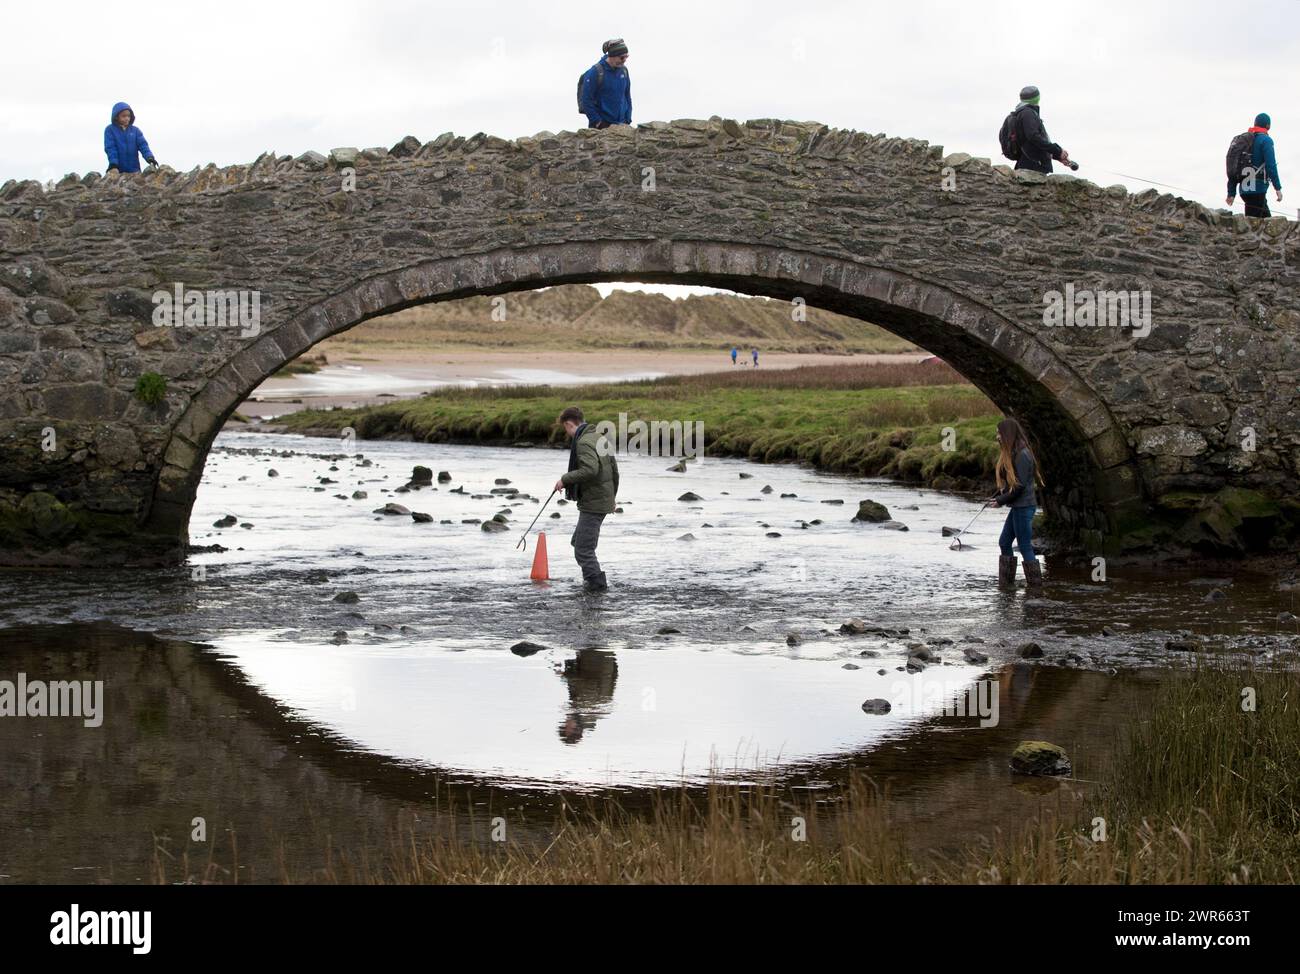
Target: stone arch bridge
column 1182, row 429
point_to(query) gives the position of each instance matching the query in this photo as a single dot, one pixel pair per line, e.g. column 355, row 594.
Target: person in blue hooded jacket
column 124, row 143
column 1263, row 160
column 606, row 93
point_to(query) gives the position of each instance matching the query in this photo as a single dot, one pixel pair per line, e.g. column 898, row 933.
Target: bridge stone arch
column 1140, row 433
column 1072, row 426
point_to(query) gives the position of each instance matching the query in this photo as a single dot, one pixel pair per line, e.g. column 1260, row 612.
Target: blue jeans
column 1020, row 521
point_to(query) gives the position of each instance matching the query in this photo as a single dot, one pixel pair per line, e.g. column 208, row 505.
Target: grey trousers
column 585, row 538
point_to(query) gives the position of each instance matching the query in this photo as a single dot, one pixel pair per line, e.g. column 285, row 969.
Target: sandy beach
column 376, row 376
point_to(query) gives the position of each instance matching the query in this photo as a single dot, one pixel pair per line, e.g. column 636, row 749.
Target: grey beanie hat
column 614, row 48
column 1029, row 92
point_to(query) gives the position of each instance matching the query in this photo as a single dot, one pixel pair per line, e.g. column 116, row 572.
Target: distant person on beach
column 1252, row 165
column 734, row 352
column 1016, row 472
column 592, row 481
column 605, row 89
column 1024, row 138
column 124, row 143
column 755, row 352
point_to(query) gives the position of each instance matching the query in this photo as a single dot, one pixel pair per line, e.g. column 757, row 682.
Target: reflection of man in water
column 591, row 676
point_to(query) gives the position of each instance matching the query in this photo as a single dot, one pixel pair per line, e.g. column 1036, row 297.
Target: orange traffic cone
column 541, row 570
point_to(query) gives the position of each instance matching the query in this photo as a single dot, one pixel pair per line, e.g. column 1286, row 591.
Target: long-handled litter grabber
column 523, row 541
column 956, row 543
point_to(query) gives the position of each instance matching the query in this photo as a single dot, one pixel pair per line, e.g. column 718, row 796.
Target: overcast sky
column 1148, row 89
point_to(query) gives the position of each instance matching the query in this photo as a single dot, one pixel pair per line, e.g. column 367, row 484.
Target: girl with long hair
column 1017, row 475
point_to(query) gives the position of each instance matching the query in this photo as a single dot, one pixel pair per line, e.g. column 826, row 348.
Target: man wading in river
column 592, row 481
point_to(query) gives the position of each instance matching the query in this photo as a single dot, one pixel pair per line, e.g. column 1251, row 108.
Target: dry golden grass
column 1203, row 792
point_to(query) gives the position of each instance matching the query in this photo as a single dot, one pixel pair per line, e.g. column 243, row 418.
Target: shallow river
column 717, row 650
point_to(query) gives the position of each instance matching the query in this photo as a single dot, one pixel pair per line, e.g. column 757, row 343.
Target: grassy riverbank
column 1202, row 792
column 866, row 420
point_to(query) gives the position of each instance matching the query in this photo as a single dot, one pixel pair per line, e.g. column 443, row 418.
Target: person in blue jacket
column 606, row 92
column 124, row 143
column 1263, row 158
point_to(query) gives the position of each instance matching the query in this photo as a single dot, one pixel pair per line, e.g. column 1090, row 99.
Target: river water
column 378, row 651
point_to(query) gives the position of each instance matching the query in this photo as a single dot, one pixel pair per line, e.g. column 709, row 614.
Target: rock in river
column 1040, row 758
column 690, row 496
column 494, row 527
column 392, row 508
column 876, row 707
column 872, row 512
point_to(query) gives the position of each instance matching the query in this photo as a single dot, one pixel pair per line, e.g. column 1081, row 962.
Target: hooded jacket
column 124, row 146
column 608, row 100
column 592, row 477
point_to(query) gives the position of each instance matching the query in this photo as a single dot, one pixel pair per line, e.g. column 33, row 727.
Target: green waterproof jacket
column 593, row 477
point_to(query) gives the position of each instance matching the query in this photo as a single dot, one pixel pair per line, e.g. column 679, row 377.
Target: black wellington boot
column 1007, row 571
column 1034, row 577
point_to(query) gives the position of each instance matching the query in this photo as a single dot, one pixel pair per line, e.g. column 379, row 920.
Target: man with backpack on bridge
column 1252, row 165
column 605, row 89
column 1025, row 140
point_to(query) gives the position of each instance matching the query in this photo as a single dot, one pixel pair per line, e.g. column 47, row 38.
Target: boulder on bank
column 1040, row 758
column 872, row 512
